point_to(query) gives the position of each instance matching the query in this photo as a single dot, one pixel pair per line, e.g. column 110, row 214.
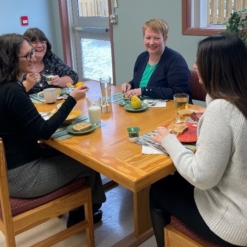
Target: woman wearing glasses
column 32, row 172
column 46, row 63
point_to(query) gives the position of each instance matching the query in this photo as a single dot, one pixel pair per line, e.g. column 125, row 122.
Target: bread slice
column 177, row 129
column 185, row 112
column 81, row 127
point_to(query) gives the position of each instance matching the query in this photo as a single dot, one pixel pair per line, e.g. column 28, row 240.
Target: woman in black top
column 30, row 172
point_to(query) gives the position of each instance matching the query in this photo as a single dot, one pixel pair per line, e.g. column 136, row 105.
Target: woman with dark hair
column 209, row 190
column 31, row 172
column 47, row 63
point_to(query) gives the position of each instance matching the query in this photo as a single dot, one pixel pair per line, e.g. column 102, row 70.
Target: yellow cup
column 181, row 101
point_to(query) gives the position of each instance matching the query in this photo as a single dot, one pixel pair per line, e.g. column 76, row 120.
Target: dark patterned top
column 55, row 66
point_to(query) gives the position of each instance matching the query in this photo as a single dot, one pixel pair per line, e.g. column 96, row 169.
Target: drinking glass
column 94, row 110
column 181, row 101
column 105, row 86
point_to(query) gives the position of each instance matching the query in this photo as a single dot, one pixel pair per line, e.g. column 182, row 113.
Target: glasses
column 43, row 42
column 29, row 55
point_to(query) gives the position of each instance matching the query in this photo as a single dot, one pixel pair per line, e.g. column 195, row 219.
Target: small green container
column 133, row 133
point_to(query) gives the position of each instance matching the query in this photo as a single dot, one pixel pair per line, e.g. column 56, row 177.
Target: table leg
column 142, row 222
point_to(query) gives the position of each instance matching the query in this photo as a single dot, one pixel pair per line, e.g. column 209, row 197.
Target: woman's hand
column 125, row 87
column 79, row 92
column 160, row 134
column 56, row 81
column 136, row 91
column 196, row 115
column 31, row 79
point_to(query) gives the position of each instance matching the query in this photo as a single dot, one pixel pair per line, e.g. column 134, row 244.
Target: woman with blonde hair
column 159, row 72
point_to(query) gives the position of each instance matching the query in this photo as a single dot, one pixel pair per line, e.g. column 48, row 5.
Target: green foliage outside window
column 237, row 24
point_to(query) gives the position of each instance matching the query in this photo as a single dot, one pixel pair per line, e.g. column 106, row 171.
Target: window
column 205, row 17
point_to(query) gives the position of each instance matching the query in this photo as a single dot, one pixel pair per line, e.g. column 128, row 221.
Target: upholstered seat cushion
column 19, row 205
column 180, row 226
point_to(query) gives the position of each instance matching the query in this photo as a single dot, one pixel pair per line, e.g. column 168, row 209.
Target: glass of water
column 105, row 86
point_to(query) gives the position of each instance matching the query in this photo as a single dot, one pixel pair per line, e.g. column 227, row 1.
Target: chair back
column 18, row 215
column 197, row 90
column 4, row 189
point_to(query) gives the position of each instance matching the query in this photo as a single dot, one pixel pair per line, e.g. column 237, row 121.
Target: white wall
column 41, row 13
column 127, row 33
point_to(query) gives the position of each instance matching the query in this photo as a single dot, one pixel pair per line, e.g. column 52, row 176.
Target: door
column 90, row 39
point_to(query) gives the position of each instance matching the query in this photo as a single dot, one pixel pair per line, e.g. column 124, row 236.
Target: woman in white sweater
column 209, row 190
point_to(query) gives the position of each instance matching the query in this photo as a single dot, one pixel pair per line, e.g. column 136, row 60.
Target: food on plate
column 185, row 112
column 177, row 129
column 135, row 102
column 81, row 127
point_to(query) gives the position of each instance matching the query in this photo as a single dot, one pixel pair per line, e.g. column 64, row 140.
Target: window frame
column 186, row 22
column 64, row 22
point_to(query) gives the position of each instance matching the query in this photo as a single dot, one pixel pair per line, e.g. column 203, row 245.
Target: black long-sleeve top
column 21, row 125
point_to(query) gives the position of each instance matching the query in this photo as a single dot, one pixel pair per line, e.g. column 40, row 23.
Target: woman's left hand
column 136, row 91
column 55, row 81
column 160, row 134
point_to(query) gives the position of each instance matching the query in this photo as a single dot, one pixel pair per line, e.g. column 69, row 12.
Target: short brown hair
column 157, row 25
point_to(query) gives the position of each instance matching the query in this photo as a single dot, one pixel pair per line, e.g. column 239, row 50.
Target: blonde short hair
column 157, row 25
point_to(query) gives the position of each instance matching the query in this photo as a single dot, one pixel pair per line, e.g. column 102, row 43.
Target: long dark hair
column 222, row 65
column 36, row 34
column 10, row 45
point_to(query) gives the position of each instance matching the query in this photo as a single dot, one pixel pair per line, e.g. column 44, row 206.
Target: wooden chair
column 19, row 215
column 177, row 234
column 197, row 90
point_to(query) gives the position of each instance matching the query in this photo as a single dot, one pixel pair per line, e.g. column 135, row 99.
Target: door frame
column 66, row 34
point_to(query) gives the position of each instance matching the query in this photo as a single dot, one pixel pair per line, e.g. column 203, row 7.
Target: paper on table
column 156, row 103
column 151, row 145
column 149, row 150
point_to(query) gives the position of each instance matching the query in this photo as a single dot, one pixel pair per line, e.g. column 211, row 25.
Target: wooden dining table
column 108, row 151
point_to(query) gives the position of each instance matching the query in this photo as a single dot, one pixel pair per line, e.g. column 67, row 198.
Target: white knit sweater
column 218, row 169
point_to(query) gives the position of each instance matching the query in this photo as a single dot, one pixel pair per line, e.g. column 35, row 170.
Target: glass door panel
column 91, row 38
column 96, row 58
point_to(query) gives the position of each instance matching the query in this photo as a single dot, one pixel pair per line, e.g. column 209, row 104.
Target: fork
column 152, row 102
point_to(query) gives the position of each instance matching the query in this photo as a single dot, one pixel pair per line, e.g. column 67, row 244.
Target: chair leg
column 10, row 241
column 9, row 233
